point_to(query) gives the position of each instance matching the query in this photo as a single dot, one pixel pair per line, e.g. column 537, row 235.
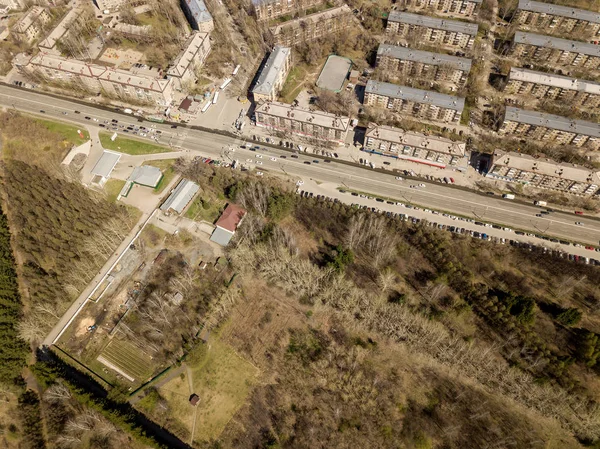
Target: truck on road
column 127, row 111
column 508, row 196
column 540, row 203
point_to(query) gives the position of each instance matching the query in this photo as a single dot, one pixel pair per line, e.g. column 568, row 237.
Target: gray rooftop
column 180, row 196
column 199, row 10
column 552, row 121
column 455, row 26
column 558, row 10
column 416, row 95
column 425, row 57
column 550, row 79
column 540, row 40
column 221, row 236
column 269, row 73
column 106, row 164
column 146, row 175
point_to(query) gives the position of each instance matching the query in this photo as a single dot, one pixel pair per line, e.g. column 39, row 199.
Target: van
column 540, row 203
column 508, row 196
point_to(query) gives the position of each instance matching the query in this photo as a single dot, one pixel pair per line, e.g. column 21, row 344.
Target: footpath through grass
column 130, row 146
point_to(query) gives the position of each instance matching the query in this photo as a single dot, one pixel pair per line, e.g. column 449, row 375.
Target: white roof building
column 180, row 196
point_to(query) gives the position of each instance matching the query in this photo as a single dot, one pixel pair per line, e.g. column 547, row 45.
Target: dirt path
column 190, row 380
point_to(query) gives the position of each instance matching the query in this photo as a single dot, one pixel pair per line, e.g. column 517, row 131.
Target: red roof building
column 227, row 224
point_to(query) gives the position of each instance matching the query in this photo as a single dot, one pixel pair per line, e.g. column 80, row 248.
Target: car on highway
column 299, row 182
column 578, row 212
column 539, row 215
column 42, row 111
column 273, row 159
column 579, row 223
column 87, row 118
column 114, row 120
column 258, row 156
column 307, row 162
column 77, row 112
column 316, row 161
column 295, row 156
column 422, row 185
column 399, row 178
column 173, row 126
column 258, row 163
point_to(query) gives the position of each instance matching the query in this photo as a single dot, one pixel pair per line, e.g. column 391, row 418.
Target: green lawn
column 202, row 209
column 166, row 166
column 130, row 146
column 293, row 83
column 68, row 132
column 113, row 188
column 223, row 381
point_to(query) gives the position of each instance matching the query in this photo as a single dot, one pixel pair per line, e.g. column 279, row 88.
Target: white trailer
column 235, row 71
column 206, row 106
column 215, row 98
column 225, row 83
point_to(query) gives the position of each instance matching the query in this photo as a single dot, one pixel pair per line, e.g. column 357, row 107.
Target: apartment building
column 465, row 8
column 553, row 50
column 415, row 147
column 110, row 5
column 303, row 122
column 541, row 85
column 31, row 24
column 61, row 29
column 198, row 16
column 550, row 18
column 270, row 9
column 273, row 74
column 431, row 30
column 11, row 4
column 424, row 65
column 543, row 173
column 122, row 84
column 550, row 128
column 313, row 26
column 194, row 53
column 416, row 102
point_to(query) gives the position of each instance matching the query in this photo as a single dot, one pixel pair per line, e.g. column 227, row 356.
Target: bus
column 225, row 83
column 215, row 98
column 206, row 106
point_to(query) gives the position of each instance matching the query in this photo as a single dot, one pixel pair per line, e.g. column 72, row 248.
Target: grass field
column 68, row 132
column 130, row 146
column 198, row 212
column 166, row 166
column 294, row 83
column 128, row 358
column 113, row 188
column 223, row 381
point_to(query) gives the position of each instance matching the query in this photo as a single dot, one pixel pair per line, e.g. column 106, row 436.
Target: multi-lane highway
column 276, row 160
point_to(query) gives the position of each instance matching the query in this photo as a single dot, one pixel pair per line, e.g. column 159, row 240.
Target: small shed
column 105, row 166
column 194, row 399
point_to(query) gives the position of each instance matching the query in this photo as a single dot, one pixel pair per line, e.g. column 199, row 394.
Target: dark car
column 113, row 120
column 316, row 161
column 77, row 112
column 87, row 118
column 173, row 126
column 42, row 111
column 295, row 156
column 307, row 162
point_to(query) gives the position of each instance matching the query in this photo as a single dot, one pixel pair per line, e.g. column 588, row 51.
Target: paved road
column 435, row 196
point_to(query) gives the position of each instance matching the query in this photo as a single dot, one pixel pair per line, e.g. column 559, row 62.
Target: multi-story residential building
column 11, row 4
column 273, row 74
column 270, row 9
column 466, row 8
column 313, row 26
column 303, row 122
column 198, row 15
column 416, row 102
column 415, row 147
column 122, row 84
column 424, row 65
column 553, row 128
column 553, row 50
column 31, row 24
column 61, row 29
column 548, row 17
column 431, row 30
column 543, row 173
column 192, row 57
column 572, row 91
column 109, row 5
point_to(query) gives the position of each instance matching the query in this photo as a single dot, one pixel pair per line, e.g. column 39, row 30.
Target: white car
column 300, row 182
column 273, row 159
column 95, row 119
column 422, row 185
column 259, row 173
column 579, row 223
column 249, row 160
column 258, row 156
column 399, row 178
column 258, row 163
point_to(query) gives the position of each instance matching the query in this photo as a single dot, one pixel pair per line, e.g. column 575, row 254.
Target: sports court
column 334, row 73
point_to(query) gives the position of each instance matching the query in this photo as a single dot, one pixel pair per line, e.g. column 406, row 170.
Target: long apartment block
column 303, row 122
column 415, row 102
column 431, row 30
column 271, row 9
column 425, row 65
column 273, row 75
column 550, row 128
column 549, row 17
column 548, row 86
column 553, row 50
column 465, row 8
column 122, row 84
column 414, row 147
column 543, row 173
